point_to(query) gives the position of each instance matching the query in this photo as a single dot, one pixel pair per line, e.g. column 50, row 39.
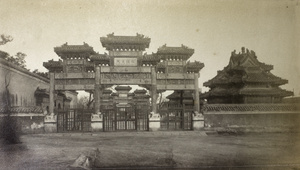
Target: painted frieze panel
column 76, row 62
column 74, row 68
column 175, row 63
column 74, row 81
column 128, row 78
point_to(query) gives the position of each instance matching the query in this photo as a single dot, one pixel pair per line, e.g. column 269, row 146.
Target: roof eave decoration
column 113, row 40
column 52, row 65
column 194, row 66
column 65, row 48
column 99, row 57
column 183, row 50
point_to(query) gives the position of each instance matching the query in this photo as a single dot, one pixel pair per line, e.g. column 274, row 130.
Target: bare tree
column 85, row 101
column 161, row 100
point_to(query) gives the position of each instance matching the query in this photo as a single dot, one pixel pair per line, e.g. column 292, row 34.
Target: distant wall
column 22, row 84
column 252, row 118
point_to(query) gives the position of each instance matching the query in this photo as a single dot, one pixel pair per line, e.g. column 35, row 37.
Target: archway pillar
column 51, row 93
column 153, row 90
column 196, row 91
column 50, row 121
column 97, row 91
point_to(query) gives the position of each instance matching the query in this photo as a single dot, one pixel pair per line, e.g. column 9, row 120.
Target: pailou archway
column 81, row 68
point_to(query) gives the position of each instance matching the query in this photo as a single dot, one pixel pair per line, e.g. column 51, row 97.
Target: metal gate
column 76, row 120
column 108, row 118
column 176, row 117
column 125, row 118
column 142, row 119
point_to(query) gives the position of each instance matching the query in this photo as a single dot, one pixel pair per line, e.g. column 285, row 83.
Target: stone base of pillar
column 50, row 124
column 97, row 123
column 198, row 121
column 154, row 122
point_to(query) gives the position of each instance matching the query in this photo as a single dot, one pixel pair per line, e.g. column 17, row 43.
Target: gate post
column 51, row 93
column 97, row 91
column 50, row 121
column 153, row 90
column 97, row 117
column 197, row 98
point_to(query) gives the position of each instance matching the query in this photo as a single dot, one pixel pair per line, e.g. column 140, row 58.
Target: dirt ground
column 156, row 150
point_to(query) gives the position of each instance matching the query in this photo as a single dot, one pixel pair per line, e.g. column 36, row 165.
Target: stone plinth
column 50, row 123
column 97, row 122
column 154, row 122
column 198, row 121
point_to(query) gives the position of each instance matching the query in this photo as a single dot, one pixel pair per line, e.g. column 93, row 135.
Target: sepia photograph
column 150, row 84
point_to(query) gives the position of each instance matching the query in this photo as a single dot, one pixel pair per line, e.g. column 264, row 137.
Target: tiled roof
column 263, row 77
column 194, row 66
column 112, row 39
column 175, row 50
column 151, row 57
column 250, row 107
column 265, row 91
column 53, row 64
column 223, row 78
column 140, row 91
column 74, row 48
column 97, row 57
column 23, row 109
column 218, row 91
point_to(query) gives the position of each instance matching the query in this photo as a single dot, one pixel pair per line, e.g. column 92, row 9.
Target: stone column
column 153, row 90
column 97, row 90
column 97, row 117
column 50, row 121
column 196, row 99
column 51, row 93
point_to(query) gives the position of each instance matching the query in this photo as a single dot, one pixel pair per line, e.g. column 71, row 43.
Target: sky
column 214, row 28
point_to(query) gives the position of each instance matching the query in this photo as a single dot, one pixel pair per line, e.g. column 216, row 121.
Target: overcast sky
column 212, row 28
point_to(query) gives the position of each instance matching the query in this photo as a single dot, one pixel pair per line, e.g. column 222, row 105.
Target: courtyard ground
column 156, row 150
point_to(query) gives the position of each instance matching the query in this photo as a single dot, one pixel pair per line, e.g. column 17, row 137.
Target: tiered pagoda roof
column 246, row 76
column 138, row 42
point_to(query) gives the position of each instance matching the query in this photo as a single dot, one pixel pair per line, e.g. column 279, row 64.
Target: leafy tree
column 5, row 39
column 43, row 74
column 20, row 59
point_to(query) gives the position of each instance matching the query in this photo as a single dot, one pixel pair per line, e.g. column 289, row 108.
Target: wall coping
column 23, row 70
column 23, row 114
